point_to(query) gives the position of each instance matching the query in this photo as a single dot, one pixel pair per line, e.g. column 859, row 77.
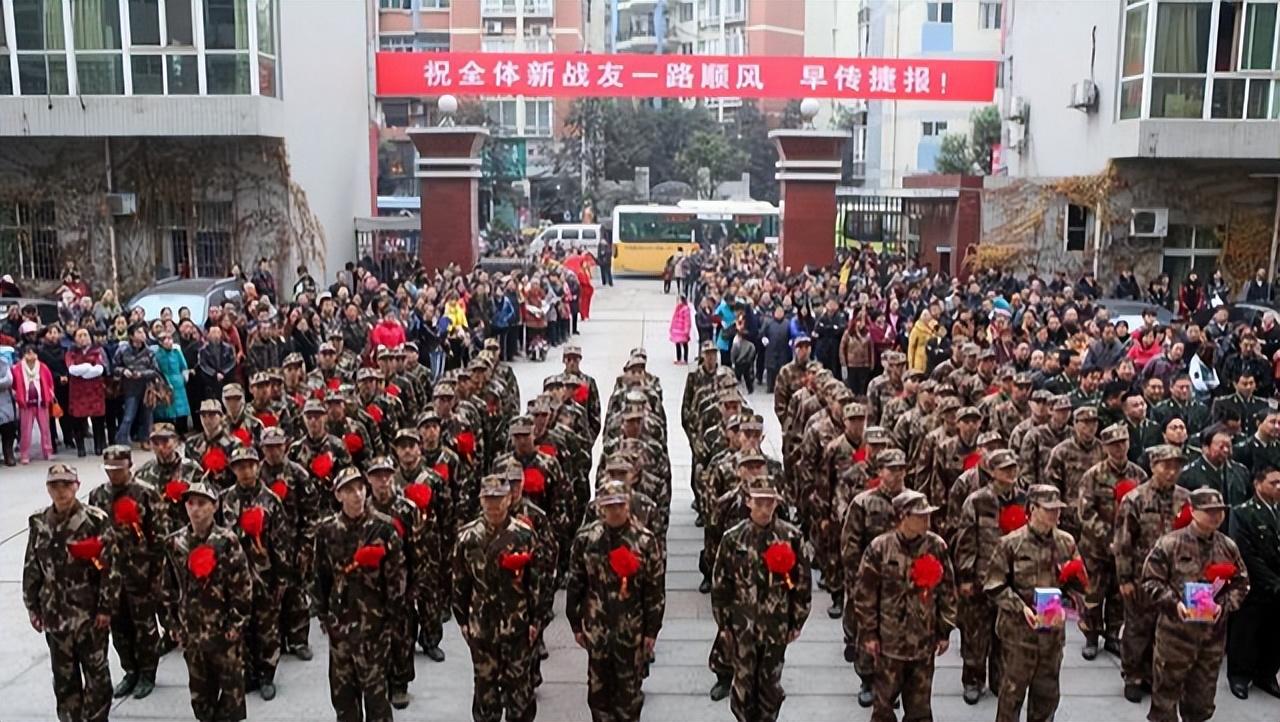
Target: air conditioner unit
column 1149, row 222
column 122, row 204
column 1019, row 110
column 1084, row 96
column 537, row 31
column 493, row 27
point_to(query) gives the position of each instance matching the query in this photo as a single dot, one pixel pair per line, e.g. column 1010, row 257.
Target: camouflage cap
column 1045, row 496
column 891, row 458
column 877, row 436
column 163, row 430
column 117, row 456
column 1005, row 373
column 427, row 417
column 730, row 396
column 752, row 423
column 948, row 404
column 479, row 363
column 1044, row 396
column 327, row 347
column 62, row 473
column 751, row 457
column 708, row 347
column 494, row 485
column 274, row 436
column 520, row 425
column 367, row 373
column 634, row 361
column 1001, row 459
column 258, row 379
column 612, row 491
column 732, row 422
column 639, row 351
column 335, row 332
column 512, row 471
column 572, row 350
column 348, row 475
column 855, row 410
column 444, row 389
column 892, row 358
column 762, row 487
column 334, row 397
column 912, row 502
column 407, row 436
column 551, row 382
column 410, row 348
column 1022, row 378
column 802, row 339
column 634, row 415
column 1207, row 498
column 1115, row 433
column 987, row 354
column 990, row 437
column 618, row 463
column 462, row 373
column 233, row 391
column 211, row 406
column 313, row 406
column 970, row 349
column 541, row 406
column 635, row 396
column 243, row 453
column 1085, row 413
column 492, row 342
column 929, row 385
column 1165, row 452
column 968, row 412
column 1061, row 402
column 200, row 488
column 381, row 463
column 293, row 359
column 383, row 352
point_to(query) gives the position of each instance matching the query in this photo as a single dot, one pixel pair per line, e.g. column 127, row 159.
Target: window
column 38, row 29
column 434, row 4
column 267, row 47
column 933, row 127
column 989, row 15
column 1190, row 248
column 395, row 113
column 29, row 239
column 1133, row 62
column 213, row 223
column 537, row 117
column 177, row 14
column 183, row 73
column 395, row 4
column 502, row 115
column 226, row 25
column 1075, row 227
column 686, row 12
column 397, row 43
column 1259, row 38
column 6, row 76
column 939, row 12
column 148, row 74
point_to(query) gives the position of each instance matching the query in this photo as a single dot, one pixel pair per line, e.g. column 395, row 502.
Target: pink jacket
column 389, row 334
column 681, row 323
column 20, row 385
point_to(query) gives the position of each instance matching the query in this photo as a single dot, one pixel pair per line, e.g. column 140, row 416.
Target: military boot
column 972, row 695
column 837, row 605
column 865, row 695
column 435, row 654
column 126, row 685
column 721, row 688
column 1111, row 646
column 1090, row 649
column 146, row 685
column 400, row 698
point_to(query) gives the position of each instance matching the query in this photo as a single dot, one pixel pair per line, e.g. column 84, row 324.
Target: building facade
column 1143, row 134
column 180, row 137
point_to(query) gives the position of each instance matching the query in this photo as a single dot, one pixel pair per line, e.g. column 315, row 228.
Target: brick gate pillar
column 448, row 173
column 808, row 172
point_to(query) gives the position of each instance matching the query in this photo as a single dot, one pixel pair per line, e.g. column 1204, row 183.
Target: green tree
column 752, row 136
column 954, row 157
column 971, row 154
column 713, row 151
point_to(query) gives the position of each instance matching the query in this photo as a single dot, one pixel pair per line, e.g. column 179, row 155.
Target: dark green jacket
column 1255, row 529
column 1231, row 480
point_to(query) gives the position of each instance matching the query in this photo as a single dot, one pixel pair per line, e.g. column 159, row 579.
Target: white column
column 255, row 80
column 6, row 17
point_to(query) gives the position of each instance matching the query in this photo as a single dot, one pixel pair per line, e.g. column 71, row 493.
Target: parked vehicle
column 569, row 236
column 197, row 294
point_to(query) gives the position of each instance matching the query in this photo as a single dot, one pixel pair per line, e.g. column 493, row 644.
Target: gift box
column 1197, row 597
column 1050, row 614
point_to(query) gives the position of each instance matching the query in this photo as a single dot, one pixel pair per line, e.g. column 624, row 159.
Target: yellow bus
column 644, row 237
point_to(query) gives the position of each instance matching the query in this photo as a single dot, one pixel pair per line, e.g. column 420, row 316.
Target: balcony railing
column 503, row 8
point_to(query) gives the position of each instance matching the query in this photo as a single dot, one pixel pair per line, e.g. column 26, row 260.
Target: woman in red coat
column 87, row 364
column 33, row 391
column 581, row 267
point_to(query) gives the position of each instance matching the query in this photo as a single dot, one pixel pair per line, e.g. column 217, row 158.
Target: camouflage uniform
column 1103, row 611
column 269, row 556
column 1024, row 560
column 1067, row 463
column 1039, row 443
column 161, row 474
column 307, row 449
column 1188, row 655
column 885, row 386
column 359, row 606
column 977, row 533
column 834, row 457
column 209, row 609
column 198, row 444
column 953, row 456
column 138, row 555
column 790, row 379
column 592, row 403
column 303, row 508
column 1145, row 514
column 65, row 593
column 496, row 599
column 615, row 614
column 760, row 612
column 556, row 497
column 906, row 622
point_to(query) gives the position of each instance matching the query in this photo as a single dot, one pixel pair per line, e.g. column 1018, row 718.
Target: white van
column 569, row 236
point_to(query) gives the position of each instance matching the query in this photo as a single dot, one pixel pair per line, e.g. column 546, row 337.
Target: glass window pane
column 6, row 77
column 1179, row 236
column 1260, row 37
column 267, row 76
column 177, row 21
column 100, row 74
column 1228, row 98
column 267, row 27
column 1135, row 41
column 144, row 22
column 184, row 74
column 41, row 74
column 1207, row 238
column 1259, row 90
column 226, row 25
column 1131, row 99
column 1182, row 37
column 227, row 74
column 96, row 24
column 38, row 24
column 1177, row 97
column 148, row 74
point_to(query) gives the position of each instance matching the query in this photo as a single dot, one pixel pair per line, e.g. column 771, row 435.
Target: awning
column 915, row 193
column 388, row 223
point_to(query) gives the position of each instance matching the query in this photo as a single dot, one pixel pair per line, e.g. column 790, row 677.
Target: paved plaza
column 819, row 684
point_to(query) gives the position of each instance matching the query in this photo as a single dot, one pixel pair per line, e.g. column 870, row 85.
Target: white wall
column 326, row 71
column 1049, row 44
column 830, row 31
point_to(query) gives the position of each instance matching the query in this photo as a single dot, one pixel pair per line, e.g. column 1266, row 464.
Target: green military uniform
column 1253, row 649
column 1192, row 412
column 1067, row 463
column 303, row 509
column 1251, row 410
column 315, row 453
column 1254, row 453
column 68, row 584
column 1232, row 479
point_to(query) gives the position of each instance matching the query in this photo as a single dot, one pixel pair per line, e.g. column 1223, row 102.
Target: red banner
column 683, row 76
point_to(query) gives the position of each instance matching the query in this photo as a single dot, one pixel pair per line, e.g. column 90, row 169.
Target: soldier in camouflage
column 303, row 506
column 1040, row 441
column 836, row 456
column 887, row 385
column 360, row 596
column 953, row 456
column 1032, row 557
column 1188, row 654
column 496, row 601
column 572, row 356
column 257, row 517
column 1145, row 514
column 700, row 378
column 905, row 600
column 211, row 447
column 1101, row 489
column 615, row 602
column 240, row 424
column 140, row 521
column 322, row 454
column 70, row 588
column 761, row 595
column 209, row 586
column 896, row 407
column 791, row 377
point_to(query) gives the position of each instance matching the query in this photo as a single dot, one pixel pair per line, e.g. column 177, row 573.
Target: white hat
column 28, row 327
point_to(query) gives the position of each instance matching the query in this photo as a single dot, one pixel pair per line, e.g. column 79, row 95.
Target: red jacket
column 20, row 385
column 88, row 395
column 387, row 333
